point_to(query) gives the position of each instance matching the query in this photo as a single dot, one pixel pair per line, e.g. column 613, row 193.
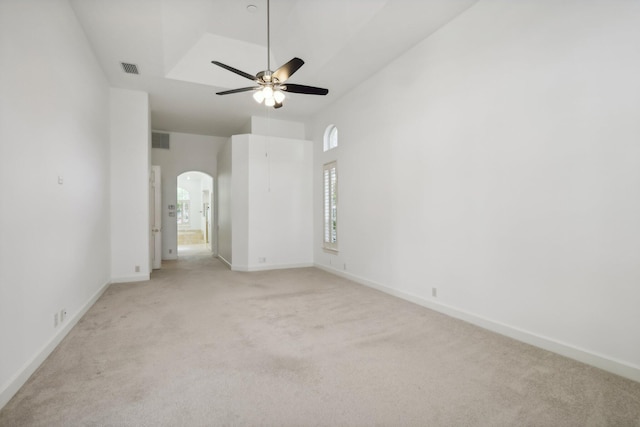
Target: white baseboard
column 128, row 279
column 606, row 363
column 224, row 261
column 265, row 267
column 262, row 267
column 18, row 380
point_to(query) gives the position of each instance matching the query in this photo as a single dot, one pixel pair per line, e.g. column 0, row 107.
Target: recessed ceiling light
column 252, row 8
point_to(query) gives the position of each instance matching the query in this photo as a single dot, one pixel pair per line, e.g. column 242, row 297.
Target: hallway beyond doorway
column 190, row 237
column 200, row 249
column 193, row 210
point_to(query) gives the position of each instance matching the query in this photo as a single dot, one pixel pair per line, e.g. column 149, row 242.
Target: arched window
column 330, row 137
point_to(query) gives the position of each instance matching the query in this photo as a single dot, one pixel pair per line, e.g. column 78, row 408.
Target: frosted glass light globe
column 258, row 96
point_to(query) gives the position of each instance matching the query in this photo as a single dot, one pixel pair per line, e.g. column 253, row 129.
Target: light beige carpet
column 199, row 345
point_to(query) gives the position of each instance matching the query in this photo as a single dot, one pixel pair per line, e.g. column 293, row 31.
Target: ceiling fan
column 271, row 85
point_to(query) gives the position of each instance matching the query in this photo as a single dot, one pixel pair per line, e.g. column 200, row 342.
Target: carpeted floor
column 200, row 345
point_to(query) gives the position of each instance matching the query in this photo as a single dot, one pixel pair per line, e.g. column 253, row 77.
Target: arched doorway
column 194, row 212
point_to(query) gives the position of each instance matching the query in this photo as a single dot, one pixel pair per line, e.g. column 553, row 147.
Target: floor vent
column 160, row 140
column 130, row 68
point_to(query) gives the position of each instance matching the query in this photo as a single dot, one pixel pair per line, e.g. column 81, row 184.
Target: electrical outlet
column 262, row 260
column 55, row 320
column 137, row 269
column 170, row 251
column 434, row 292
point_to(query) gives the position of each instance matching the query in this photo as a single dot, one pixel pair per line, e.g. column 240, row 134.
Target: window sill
column 330, row 250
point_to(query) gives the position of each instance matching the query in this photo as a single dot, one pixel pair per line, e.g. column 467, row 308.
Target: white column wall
column 130, row 169
column 54, row 238
column 271, row 203
column 504, row 170
column 280, row 218
column 268, row 126
column 239, row 202
column 224, row 208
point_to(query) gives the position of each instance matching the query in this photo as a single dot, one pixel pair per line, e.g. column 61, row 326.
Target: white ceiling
column 174, row 41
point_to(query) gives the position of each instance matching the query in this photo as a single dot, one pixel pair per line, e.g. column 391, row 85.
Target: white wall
column 239, row 202
column 268, row 126
column 280, row 203
column 130, row 172
column 502, row 169
column 271, row 203
column 54, row 121
column 188, row 153
column 224, row 208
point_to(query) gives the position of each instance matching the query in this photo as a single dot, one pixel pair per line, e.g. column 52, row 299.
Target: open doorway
column 194, row 212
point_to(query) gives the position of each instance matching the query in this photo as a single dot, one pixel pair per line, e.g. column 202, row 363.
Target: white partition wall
column 265, row 187
column 130, row 168
column 224, row 208
column 239, row 201
column 280, row 220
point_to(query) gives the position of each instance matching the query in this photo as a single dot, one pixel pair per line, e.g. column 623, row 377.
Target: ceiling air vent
column 129, row 68
column 160, row 140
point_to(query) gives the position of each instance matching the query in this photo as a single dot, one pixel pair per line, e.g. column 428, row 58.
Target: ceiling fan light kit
column 270, row 96
column 271, row 84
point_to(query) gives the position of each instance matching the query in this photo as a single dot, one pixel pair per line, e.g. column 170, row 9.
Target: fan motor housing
column 265, row 76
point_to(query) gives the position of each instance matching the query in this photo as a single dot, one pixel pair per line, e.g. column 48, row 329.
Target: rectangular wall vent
column 130, row 68
column 160, row 140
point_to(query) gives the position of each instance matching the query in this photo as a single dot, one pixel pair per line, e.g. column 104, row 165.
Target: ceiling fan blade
column 287, row 70
column 242, row 89
column 309, row 90
column 234, row 70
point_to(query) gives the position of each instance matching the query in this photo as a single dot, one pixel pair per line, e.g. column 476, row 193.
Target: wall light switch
column 60, row 179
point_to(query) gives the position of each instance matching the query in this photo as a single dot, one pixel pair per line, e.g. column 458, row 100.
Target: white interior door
column 156, row 217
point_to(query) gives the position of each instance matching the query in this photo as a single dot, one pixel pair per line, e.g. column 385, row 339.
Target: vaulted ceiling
column 173, row 42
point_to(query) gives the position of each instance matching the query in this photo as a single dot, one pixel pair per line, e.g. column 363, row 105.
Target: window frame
column 183, row 204
column 330, row 140
column 330, row 210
